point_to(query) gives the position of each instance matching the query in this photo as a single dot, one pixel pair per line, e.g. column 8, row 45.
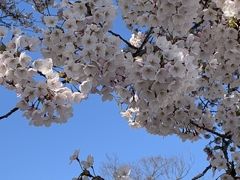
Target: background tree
column 149, row 168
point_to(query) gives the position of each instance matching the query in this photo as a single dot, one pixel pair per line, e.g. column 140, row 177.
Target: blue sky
column 40, row 153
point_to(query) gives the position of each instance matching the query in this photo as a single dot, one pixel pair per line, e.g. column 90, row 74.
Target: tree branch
column 146, row 38
column 211, row 131
column 203, row 173
column 124, row 40
column 9, row 113
column 11, row 13
column 139, row 50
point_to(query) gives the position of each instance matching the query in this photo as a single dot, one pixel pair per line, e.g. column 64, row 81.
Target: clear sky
column 40, row 153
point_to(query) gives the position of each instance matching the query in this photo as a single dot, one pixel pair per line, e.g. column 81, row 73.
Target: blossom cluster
column 230, row 8
column 176, row 17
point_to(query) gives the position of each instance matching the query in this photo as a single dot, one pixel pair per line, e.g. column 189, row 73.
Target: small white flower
column 70, row 24
column 126, row 114
column 41, row 89
column 229, row 9
column 122, row 173
column 177, row 70
column 24, row 59
column 74, row 156
column 148, row 72
column 162, row 42
column 3, row 70
column 77, row 97
column 49, row 107
column 90, row 70
column 88, row 163
column 50, row 21
column 89, row 42
column 86, row 87
column 29, row 92
column 21, row 73
column 45, row 65
column 136, row 39
column 22, row 105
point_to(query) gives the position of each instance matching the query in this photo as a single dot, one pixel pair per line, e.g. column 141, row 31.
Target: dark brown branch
column 9, row 113
column 38, row 5
column 140, row 50
column 124, row 40
column 205, row 104
column 146, row 38
column 230, row 165
column 228, row 136
column 202, row 173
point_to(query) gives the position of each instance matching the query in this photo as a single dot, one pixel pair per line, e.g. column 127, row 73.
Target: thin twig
column 140, row 49
column 228, row 136
column 124, row 40
column 202, row 173
column 9, row 113
column 146, row 38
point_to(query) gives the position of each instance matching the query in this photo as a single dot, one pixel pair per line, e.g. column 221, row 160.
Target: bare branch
column 228, row 136
column 203, row 173
column 9, row 113
column 153, row 168
column 124, row 40
column 109, row 167
column 140, row 49
column 10, row 12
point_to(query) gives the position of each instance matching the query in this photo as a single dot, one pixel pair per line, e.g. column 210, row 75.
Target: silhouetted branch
column 124, row 40
column 9, row 113
column 140, row 50
column 11, row 13
column 203, row 173
column 228, row 136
